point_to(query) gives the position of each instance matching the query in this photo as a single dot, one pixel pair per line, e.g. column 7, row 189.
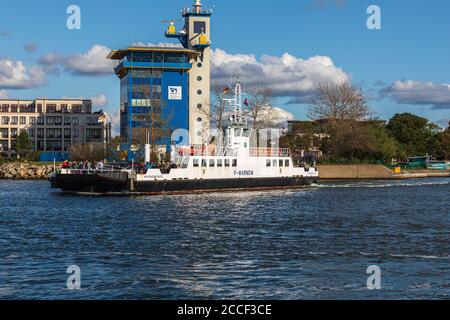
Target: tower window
column 199, row 92
column 199, row 119
column 199, row 65
column 199, row 78
column 199, row 26
column 199, row 106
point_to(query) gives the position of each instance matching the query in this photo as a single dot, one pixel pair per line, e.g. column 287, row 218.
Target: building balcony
column 152, row 65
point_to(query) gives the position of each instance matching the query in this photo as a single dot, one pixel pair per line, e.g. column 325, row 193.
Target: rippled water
column 314, row 243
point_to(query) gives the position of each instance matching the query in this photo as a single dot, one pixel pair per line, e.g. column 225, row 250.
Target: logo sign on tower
column 175, row 93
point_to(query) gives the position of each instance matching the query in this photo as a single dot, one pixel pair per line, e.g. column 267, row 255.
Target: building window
column 199, row 26
column 40, row 121
column 77, row 108
column 5, row 108
column 14, row 120
column 5, row 120
column 32, row 132
column 67, row 145
column 4, row 134
column 76, row 133
column 67, row 134
column 40, row 145
column 39, row 108
column 40, row 133
column 23, row 120
column 13, row 108
column 67, row 121
column 13, row 133
column 51, row 108
column 33, row 120
column 75, row 121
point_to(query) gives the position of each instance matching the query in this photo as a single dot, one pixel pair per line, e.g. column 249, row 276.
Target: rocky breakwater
column 25, row 171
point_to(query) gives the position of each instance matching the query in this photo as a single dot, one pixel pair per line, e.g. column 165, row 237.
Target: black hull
column 221, row 185
column 91, row 183
column 103, row 184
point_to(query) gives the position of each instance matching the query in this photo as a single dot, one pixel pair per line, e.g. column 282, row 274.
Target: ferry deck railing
column 270, row 152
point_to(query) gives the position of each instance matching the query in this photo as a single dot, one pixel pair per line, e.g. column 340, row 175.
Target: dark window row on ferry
column 277, row 163
column 212, row 163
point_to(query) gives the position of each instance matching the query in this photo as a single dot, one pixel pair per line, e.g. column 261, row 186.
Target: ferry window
column 227, row 162
column 275, row 163
column 219, row 163
column 234, row 162
column 204, row 163
column 212, row 163
column 281, row 163
column 268, row 163
column 287, row 163
column 196, row 163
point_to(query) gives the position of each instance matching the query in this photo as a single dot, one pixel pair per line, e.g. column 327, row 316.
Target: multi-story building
column 171, row 80
column 52, row 125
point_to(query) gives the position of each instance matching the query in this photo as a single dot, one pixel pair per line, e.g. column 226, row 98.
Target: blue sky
column 404, row 67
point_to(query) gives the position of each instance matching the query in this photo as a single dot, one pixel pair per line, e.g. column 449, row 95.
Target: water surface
column 314, row 243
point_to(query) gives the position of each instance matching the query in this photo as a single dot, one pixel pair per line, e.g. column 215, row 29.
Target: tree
column 259, row 108
column 338, row 103
column 23, row 145
column 218, row 112
column 159, row 117
column 416, row 134
column 88, row 151
column 341, row 108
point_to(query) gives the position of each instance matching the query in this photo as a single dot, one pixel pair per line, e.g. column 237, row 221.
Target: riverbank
column 41, row 171
column 375, row 172
column 25, row 171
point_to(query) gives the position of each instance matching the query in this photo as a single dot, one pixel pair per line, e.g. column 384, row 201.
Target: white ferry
column 233, row 166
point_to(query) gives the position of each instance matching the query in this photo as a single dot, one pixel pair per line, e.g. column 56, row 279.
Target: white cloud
column 287, row 76
column 16, row 75
column 114, row 118
column 4, row 94
column 412, row 92
column 91, row 63
column 100, row 100
column 278, row 117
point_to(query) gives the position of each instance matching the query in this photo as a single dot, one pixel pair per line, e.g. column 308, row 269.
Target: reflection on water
column 313, row 243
